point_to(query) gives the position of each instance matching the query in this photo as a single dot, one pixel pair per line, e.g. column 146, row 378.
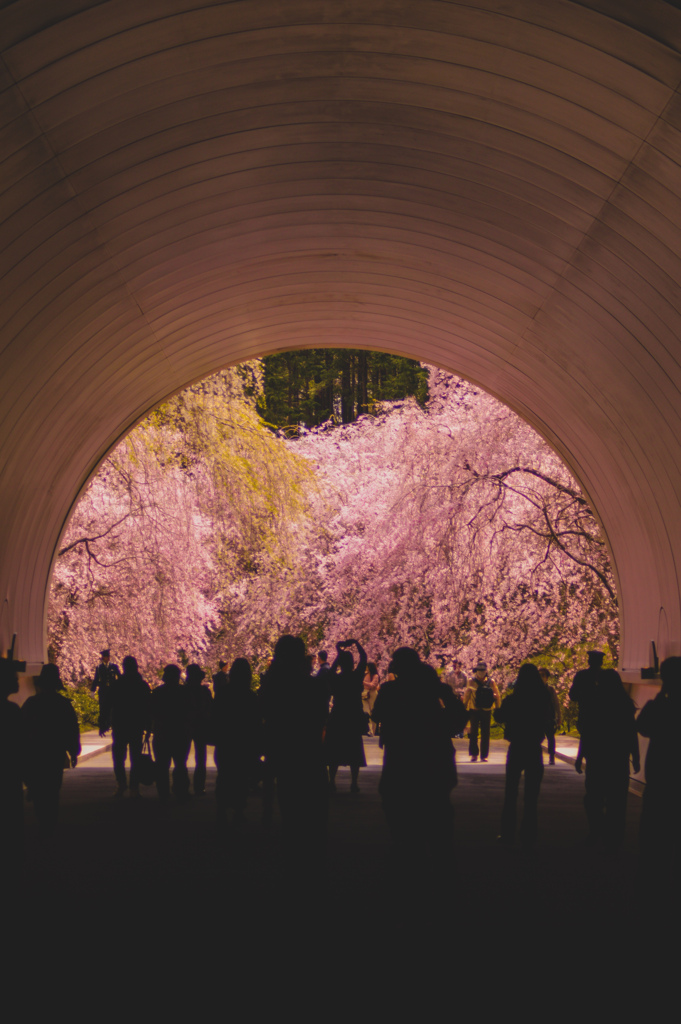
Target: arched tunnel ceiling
column 491, row 186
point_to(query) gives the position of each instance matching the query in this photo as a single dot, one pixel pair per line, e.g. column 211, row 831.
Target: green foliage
column 312, row 386
column 85, row 704
column 198, row 503
column 253, row 487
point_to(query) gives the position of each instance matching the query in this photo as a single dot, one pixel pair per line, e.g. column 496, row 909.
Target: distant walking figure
column 324, row 668
column 171, row 726
column 294, row 709
column 608, row 740
column 556, row 718
column 105, row 674
column 220, row 678
column 372, row 682
column 480, row 696
column 200, row 706
column 130, row 706
column 526, row 714
column 51, row 733
column 343, row 742
column 419, row 770
column 661, row 814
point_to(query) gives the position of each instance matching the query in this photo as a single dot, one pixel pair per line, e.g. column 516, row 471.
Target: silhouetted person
column 481, row 695
column 238, row 741
column 456, row 679
column 105, row 674
column 324, row 668
column 608, row 740
column 324, row 677
column 661, row 814
column 130, row 704
column 556, row 718
column 220, row 678
column 457, row 682
column 200, row 704
column 372, row 684
column 50, row 734
column 294, row 709
column 584, row 682
column 11, row 790
column 526, row 714
column 343, row 741
column 171, row 726
column 419, row 771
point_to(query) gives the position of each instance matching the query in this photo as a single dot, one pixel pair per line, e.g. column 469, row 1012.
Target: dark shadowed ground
column 139, row 861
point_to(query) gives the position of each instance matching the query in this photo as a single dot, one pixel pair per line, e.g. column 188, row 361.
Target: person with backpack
column 481, row 695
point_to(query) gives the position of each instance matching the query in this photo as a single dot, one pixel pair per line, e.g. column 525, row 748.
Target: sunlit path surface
column 169, row 859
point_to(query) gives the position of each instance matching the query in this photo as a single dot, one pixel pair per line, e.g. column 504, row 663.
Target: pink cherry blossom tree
column 197, row 500
column 457, row 530
column 453, row 528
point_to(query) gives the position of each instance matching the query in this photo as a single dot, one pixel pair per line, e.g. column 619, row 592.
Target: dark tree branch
column 91, row 540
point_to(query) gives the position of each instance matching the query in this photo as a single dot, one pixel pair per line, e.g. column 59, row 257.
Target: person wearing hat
column 480, row 696
column 105, row 673
column 51, row 734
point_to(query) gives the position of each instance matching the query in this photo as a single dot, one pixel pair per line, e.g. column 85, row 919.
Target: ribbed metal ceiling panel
column 491, row 186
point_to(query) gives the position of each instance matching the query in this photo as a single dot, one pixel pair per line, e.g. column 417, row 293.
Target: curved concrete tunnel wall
column 493, row 188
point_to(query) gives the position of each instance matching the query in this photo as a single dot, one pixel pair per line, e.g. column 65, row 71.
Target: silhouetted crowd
column 291, row 735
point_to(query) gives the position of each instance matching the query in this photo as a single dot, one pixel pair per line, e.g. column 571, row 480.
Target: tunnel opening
column 433, row 517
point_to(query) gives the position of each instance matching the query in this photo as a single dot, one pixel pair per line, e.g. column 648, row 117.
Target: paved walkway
column 93, row 744
column 566, row 749
column 149, row 854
